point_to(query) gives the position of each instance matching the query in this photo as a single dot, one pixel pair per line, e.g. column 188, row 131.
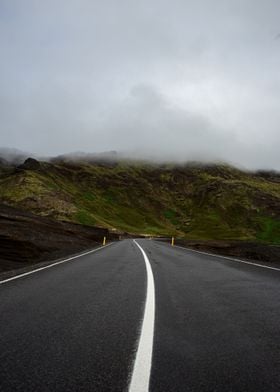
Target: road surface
column 78, row 326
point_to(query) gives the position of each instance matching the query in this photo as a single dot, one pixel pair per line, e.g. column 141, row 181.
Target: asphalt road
column 76, row 326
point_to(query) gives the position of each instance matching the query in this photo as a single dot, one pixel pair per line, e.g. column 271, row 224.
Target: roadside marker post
column 104, row 241
column 172, row 241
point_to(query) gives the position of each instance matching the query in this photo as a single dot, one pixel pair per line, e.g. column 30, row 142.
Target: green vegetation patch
column 110, row 197
column 89, row 196
column 195, row 201
column 85, row 218
column 269, row 230
column 171, row 215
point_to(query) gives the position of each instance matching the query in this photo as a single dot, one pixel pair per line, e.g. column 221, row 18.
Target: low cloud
column 180, row 81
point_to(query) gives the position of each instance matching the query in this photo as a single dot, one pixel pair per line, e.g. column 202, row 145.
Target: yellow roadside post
column 104, row 241
column 172, row 241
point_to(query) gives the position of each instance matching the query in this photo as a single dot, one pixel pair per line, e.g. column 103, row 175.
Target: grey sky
column 184, row 79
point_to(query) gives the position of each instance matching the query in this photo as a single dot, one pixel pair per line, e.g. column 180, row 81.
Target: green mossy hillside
column 194, row 201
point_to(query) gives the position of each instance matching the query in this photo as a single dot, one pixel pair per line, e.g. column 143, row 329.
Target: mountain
column 193, row 201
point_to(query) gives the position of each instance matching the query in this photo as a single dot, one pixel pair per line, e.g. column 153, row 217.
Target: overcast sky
column 184, row 79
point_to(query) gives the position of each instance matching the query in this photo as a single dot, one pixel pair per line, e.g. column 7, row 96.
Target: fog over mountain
column 183, row 80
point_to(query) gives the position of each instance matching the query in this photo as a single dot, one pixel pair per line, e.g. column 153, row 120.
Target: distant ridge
column 193, row 200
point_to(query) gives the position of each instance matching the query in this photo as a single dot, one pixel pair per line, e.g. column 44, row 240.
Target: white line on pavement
column 142, row 366
column 52, row 265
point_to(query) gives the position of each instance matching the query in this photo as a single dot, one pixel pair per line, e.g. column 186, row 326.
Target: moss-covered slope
column 195, row 201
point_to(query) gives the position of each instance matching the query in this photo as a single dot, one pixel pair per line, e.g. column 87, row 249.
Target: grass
column 171, row 216
column 88, row 196
column 85, row 218
column 269, row 230
column 211, row 202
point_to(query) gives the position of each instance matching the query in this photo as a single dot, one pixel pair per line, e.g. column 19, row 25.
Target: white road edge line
column 53, row 264
column 228, row 258
column 140, row 378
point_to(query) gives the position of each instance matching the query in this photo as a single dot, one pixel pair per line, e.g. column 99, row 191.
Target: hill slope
column 193, row 201
column 26, row 238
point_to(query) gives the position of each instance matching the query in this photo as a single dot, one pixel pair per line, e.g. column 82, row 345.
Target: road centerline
column 140, row 378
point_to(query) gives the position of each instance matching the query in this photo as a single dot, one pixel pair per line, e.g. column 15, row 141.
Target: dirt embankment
column 246, row 250
column 26, row 239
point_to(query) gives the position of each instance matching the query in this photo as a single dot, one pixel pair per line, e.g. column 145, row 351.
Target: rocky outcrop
column 30, row 164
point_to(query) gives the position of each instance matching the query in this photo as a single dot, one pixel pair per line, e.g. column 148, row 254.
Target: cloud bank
column 177, row 80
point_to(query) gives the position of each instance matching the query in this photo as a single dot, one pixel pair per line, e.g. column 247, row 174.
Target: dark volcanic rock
column 270, row 175
column 246, row 250
column 26, row 238
column 30, row 164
